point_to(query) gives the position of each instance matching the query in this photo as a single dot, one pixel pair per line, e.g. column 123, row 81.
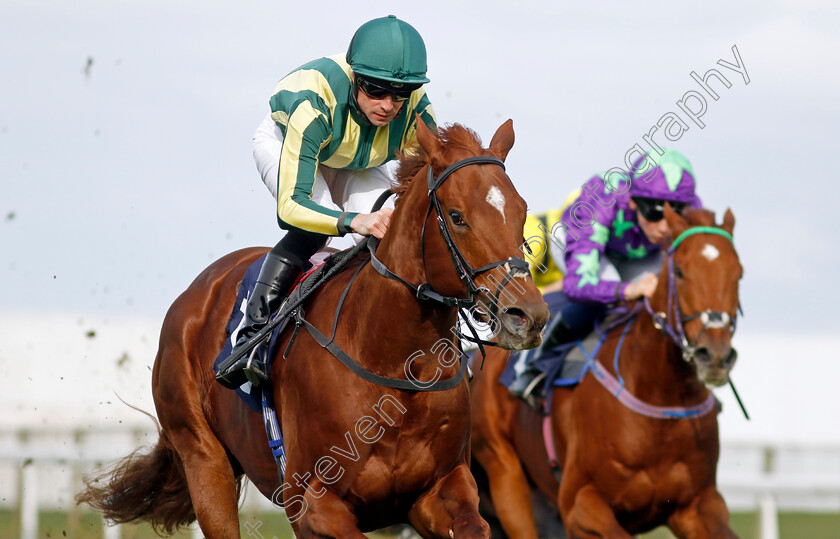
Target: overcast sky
column 125, row 129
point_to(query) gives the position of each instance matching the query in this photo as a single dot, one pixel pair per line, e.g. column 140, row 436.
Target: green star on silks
column 588, row 270
column 620, row 226
column 600, row 234
column 673, row 164
column 636, row 252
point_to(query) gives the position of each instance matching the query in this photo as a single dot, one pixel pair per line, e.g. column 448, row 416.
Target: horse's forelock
column 699, row 217
column 452, row 137
column 456, row 136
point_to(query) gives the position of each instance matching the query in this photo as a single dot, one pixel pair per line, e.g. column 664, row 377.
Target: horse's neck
column 398, row 329
column 400, row 249
column 391, row 311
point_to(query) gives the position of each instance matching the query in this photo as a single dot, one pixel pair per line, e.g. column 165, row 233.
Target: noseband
column 711, row 319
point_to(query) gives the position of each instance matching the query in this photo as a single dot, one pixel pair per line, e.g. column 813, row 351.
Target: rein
column 615, row 385
column 329, row 344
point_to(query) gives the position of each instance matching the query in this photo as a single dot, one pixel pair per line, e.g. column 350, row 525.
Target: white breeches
column 341, row 190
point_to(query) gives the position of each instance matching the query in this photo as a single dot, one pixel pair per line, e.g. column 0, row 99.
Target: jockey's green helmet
column 389, row 49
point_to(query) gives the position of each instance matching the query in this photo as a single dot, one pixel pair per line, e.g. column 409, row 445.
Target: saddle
column 322, row 267
column 565, row 364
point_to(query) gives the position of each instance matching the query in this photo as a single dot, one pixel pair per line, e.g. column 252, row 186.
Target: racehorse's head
column 472, row 229
column 700, row 285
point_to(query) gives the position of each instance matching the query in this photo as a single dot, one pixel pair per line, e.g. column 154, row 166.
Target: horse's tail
column 148, row 486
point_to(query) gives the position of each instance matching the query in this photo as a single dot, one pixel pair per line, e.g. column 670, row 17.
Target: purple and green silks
column 600, row 223
column 668, row 176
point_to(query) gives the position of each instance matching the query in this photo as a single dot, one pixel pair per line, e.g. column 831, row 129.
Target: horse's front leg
column 324, row 514
column 706, row 517
column 450, row 508
column 509, row 487
column 589, row 516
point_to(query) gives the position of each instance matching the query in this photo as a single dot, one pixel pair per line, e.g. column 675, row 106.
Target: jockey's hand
column 372, row 224
column 642, row 287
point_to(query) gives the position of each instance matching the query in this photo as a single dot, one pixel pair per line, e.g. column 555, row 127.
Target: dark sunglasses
column 653, row 209
column 378, row 90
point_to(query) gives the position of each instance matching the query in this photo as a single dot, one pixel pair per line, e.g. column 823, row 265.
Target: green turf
column 84, row 525
column 791, row 526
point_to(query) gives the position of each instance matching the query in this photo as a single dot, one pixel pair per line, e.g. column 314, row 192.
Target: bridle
column 466, row 273
column 711, row 319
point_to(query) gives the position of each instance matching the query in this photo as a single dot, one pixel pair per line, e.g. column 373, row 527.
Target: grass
column 85, row 525
column 791, row 526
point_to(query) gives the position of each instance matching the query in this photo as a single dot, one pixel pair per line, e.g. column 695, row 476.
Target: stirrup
column 255, row 369
column 232, row 372
column 233, row 375
column 538, row 379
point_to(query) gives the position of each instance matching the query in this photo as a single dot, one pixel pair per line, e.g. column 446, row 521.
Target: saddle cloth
column 246, row 391
column 563, row 365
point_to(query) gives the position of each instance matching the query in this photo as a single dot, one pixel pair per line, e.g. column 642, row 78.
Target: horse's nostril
column 517, row 317
column 702, row 355
column 731, row 357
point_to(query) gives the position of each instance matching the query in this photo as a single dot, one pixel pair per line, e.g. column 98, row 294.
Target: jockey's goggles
column 380, row 89
column 653, row 209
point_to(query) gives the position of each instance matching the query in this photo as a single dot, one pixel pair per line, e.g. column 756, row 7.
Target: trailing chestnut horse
column 361, row 456
column 646, row 457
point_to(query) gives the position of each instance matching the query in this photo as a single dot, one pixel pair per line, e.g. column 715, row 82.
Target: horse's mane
column 454, row 136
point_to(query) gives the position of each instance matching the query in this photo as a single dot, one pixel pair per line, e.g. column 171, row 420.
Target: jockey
column 604, row 246
column 323, row 151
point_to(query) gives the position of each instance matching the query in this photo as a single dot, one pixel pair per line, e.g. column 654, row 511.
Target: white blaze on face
column 496, row 199
column 710, row 252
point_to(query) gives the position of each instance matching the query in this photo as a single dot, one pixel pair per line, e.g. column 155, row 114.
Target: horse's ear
column 428, row 141
column 676, row 223
column 728, row 221
column 503, row 140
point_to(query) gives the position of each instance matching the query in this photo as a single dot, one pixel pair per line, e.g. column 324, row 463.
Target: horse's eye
column 678, row 272
column 457, row 218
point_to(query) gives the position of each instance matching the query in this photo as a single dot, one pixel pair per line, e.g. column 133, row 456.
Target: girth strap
column 551, row 452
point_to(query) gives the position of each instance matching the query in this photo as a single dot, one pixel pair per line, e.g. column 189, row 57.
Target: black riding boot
column 276, row 277
column 279, row 271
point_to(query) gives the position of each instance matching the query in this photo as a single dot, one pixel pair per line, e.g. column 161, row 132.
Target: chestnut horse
column 361, row 456
column 626, row 469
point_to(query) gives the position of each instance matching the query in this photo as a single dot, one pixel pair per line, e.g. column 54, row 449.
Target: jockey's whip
column 738, row 398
